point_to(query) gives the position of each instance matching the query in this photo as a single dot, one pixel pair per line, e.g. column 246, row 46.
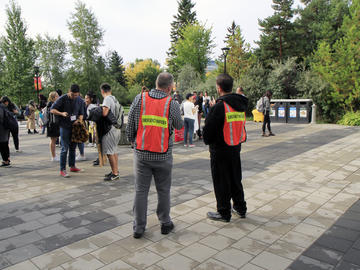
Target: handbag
column 79, row 133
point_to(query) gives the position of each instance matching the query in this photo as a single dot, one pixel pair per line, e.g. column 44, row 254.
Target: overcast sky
column 141, row 28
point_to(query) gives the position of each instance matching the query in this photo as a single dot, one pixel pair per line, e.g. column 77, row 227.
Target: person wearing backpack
column 4, row 138
column 111, row 139
column 266, row 111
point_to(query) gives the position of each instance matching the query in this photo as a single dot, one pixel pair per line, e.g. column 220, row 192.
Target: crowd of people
column 152, row 119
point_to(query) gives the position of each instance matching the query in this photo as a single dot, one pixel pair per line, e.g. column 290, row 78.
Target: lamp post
column 225, row 51
column 36, row 71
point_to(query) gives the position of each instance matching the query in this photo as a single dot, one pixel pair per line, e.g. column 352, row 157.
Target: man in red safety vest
column 152, row 117
column 224, row 132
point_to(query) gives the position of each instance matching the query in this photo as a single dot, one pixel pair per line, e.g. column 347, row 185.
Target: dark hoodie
column 214, row 123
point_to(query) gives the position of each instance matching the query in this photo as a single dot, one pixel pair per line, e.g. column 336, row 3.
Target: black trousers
column 4, row 150
column 266, row 121
column 227, row 176
column 15, row 135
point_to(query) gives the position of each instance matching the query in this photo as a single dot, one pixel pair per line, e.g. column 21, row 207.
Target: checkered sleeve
column 133, row 119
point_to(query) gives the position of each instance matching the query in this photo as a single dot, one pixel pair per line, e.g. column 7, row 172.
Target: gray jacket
column 4, row 133
column 266, row 104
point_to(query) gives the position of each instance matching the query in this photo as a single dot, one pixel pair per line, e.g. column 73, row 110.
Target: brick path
column 297, row 185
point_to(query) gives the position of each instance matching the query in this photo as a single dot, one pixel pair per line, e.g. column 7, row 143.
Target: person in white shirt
column 190, row 111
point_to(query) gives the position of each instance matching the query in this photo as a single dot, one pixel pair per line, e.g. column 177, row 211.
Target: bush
column 134, row 90
column 350, row 119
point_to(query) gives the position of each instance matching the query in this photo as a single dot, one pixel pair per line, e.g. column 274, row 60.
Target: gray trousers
column 144, row 170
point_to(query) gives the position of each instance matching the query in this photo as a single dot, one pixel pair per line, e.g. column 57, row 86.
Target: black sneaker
column 112, row 177
column 5, row 164
column 137, row 235
column 108, row 174
column 217, row 216
column 96, row 162
column 166, row 229
column 240, row 214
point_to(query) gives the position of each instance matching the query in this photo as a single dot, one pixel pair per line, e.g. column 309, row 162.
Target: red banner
column 36, row 81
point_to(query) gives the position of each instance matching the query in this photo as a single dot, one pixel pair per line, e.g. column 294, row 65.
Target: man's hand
column 64, row 114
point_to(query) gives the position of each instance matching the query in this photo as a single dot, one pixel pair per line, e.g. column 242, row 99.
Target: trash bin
column 292, row 112
column 281, row 115
column 273, row 112
column 304, row 108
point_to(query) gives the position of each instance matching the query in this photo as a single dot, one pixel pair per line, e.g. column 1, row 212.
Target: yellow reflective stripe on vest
column 154, row 120
column 164, row 116
column 144, row 128
column 235, row 116
column 230, row 124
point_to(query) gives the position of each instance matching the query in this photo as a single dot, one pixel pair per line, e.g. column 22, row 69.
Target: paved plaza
column 302, row 188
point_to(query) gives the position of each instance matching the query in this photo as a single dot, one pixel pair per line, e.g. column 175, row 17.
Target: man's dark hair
column 225, row 81
column 164, row 80
column 59, row 91
column 194, row 92
column 105, row 87
column 74, row 88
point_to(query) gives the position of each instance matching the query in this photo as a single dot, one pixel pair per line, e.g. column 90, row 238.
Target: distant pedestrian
column 4, row 138
column 189, row 119
column 224, row 131
column 30, row 125
column 206, row 103
column 151, row 120
column 177, row 97
column 53, row 129
column 70, row 109
column 267, row 108
column 240, row 91
column 198, row 102
column 111, row 139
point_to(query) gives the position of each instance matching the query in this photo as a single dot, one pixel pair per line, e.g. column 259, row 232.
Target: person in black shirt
column 70, row 109
column 199, row 102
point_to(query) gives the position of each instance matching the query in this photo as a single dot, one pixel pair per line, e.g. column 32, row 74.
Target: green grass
column 126, row 109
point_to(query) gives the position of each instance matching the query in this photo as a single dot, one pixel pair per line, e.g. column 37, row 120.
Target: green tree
column 84, row 47
column 239, row 57
column 188, row 79
column 142, row 72
column 283, row 77
column 19, row 58
column 116, row 68
column 51, row 57
column 319, row 20
column 255, row 83
column 195, row 48
column 184, row 16
column 276, row 39
column 339, row 64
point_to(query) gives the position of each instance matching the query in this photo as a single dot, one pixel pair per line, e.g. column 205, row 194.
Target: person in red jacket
column 224, row 131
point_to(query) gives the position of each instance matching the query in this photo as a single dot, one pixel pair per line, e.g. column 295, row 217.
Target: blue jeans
column 66, row 146
column 189, row 128
column 81, row 148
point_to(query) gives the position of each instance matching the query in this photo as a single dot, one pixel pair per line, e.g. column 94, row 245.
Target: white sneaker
column 80, row 158
column 56, row 158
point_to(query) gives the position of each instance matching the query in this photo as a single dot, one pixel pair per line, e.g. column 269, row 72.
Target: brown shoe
column 265, row 135
column 271, row 134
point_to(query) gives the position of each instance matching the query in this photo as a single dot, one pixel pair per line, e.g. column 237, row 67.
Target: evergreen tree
column 19, row 58
column 231, row 31
column 116, row 68
column 320, row 20
column 51, row 56
column 339, row 64
column 84, row 47
column 239, row 57
column 276, row 40
column 184, row 17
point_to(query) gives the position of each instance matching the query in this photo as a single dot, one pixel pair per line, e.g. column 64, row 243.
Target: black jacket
column 103, row 124
column 214, row 122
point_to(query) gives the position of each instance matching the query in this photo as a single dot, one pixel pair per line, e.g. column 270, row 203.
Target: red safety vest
column 234, row 126
column 153, row 130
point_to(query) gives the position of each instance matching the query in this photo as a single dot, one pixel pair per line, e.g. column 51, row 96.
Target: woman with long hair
column 15, row 111
column 53, row 129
